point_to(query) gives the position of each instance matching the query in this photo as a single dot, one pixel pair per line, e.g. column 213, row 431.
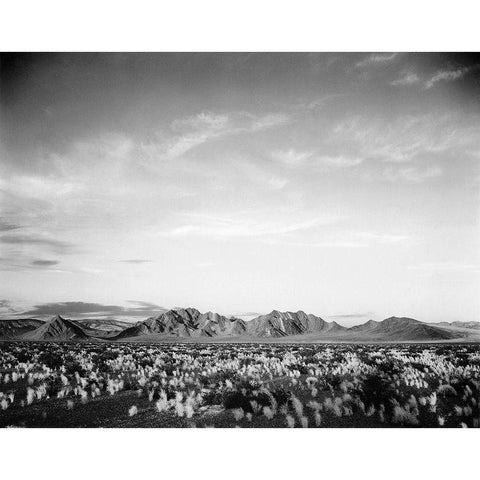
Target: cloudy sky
column 345, row 185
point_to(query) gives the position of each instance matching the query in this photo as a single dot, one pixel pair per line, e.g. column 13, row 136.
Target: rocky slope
column 15, row 328
column 406, row 329
column 58, row 328
column 100, row 324
column 281, row 324
column 188, row 322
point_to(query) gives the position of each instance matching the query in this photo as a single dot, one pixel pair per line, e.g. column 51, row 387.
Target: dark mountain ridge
column 14, row 328
column 189, row 323
column 186, row 322
column 58, row 328
column 281, row 324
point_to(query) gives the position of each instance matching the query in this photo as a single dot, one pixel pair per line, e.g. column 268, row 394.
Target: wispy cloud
column 145, row 305
column 294, row 158
column 138, row 261
column 405, row 138
column 57, row 246
column 383, row 237
column 407, row 78
column 446, row 76
column 245, row 315
column 327, row 244
column 19, row 262
column 354, row 240
column 340, row 161
column 6, row 307
column 85, row 309
column 38, row 187
column 191, row 132
column 320, row 102
column 352, row 315
column 224, row 227
column 277, row 183
column 6, row 226
column 291, row 157
column 376, row 59
column 412, row 174
column 45, row 263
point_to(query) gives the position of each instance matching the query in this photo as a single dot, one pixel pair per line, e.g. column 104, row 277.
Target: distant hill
column 393, row 329
column 473, row 325
column 281, row 324
column 107, row 325
column 408, row 329
column 15, row 328
column 188, row 324
column 365, row 327
column 212, row 325
column 58, row 328
column 102, row 328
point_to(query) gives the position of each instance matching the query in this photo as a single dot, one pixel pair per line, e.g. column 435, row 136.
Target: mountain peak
column 58, row 328
column 401, row 320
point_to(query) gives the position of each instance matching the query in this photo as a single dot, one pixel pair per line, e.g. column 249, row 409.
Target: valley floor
column 239, row 385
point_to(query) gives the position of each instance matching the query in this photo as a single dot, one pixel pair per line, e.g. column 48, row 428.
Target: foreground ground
column 239, row 385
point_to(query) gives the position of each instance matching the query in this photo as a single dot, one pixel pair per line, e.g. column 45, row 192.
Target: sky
column 343, row 185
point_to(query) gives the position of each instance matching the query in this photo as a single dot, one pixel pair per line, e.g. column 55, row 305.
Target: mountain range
column 188, row 324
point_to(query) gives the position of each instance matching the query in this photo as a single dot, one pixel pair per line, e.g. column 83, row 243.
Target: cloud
column 410, row 78
column 76, row 309
column 191, row 132
column 291, row 157
column 207, row 121
column 224, row 227
column 145, row 305
column 136, row 261
column 265, row 122
column 446, row 76
column 352, row 315
column 412, row 174
column 245, row 315
column 45, row 263
column 39, row 187
column 6, row 226
column 383, row 237
column 331, row 244
column 6, row 307
column 376, row 59
column 353, row 240
column 407, row 78
column 406, row 138
column 277, row 183
column 320, row 102
column 340, row 161
column 294, row 158
column 57, row 246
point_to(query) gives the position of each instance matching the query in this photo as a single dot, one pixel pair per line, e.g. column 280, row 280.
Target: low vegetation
column 239, row 385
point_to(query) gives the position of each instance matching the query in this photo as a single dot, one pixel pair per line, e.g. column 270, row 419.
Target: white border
column 92, row 25
column 249, row 25
column 238, row 454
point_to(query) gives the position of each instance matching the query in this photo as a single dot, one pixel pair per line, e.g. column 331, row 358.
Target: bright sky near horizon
column 344, row 185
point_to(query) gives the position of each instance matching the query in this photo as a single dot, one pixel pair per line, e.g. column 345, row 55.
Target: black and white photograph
column 240, row 240
column 220, row 239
